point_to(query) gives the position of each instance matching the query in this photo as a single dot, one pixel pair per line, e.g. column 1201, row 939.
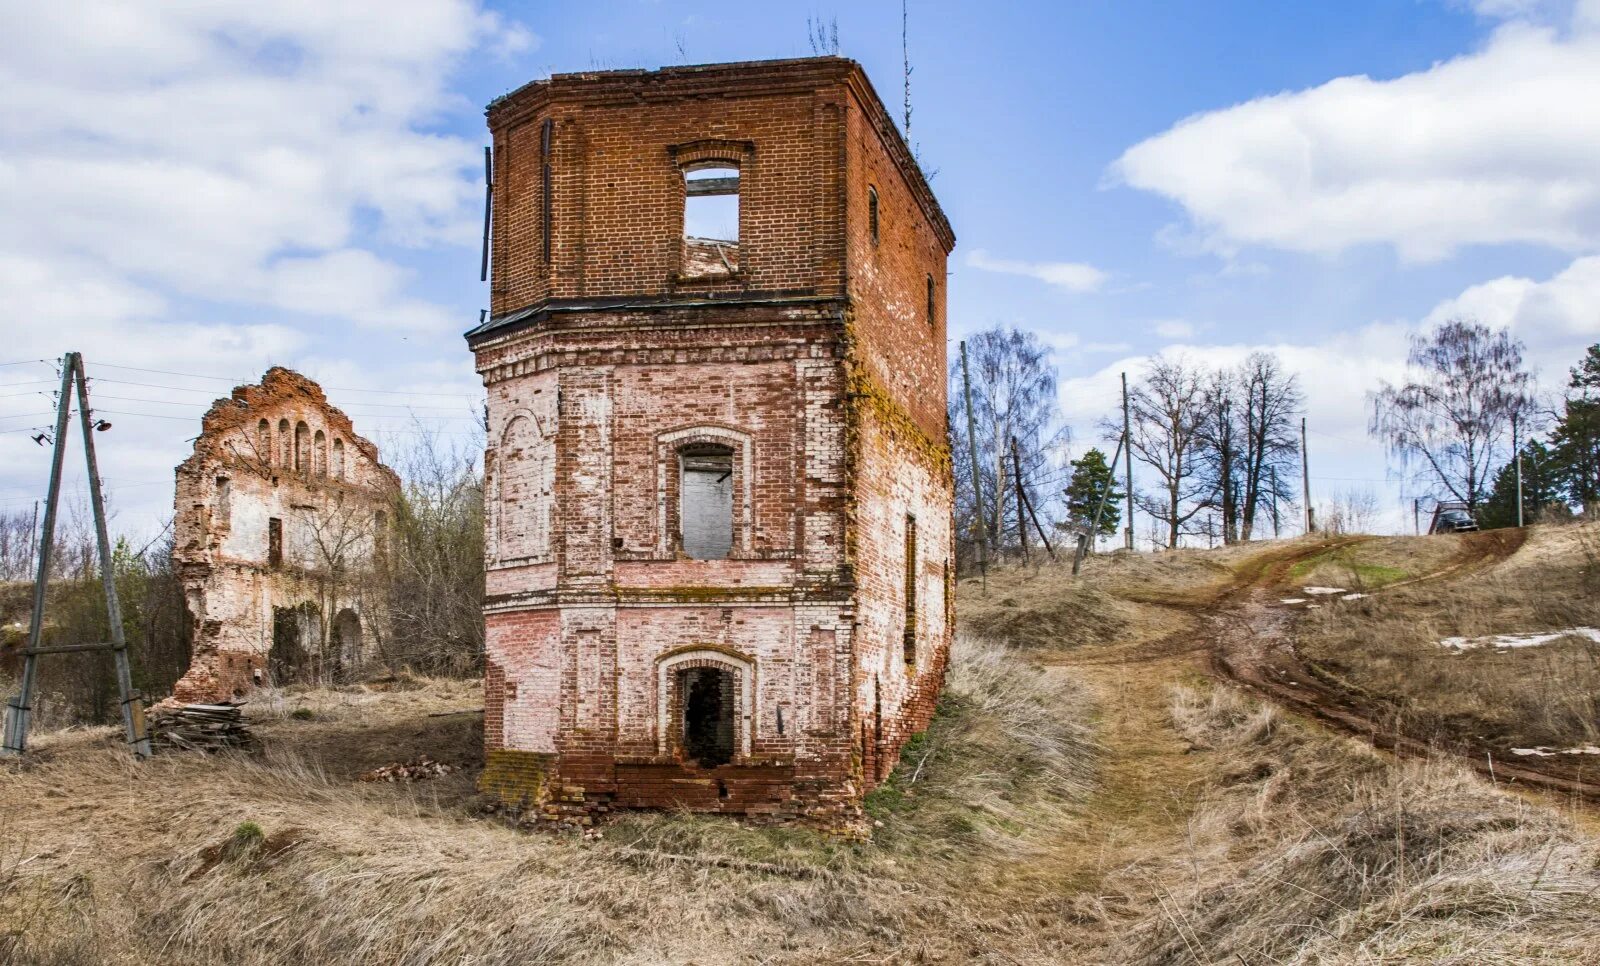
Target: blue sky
column 210, row 189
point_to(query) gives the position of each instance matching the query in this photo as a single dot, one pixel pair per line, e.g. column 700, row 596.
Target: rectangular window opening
column 274, row 542
column 706, row 501
column 711, row 221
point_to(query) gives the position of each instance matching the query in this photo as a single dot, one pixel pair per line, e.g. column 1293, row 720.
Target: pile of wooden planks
column 200, row 727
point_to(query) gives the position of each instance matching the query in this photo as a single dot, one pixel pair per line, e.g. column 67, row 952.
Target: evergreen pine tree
column 1539, row 489
column 1576, row 438
column 1091, row 477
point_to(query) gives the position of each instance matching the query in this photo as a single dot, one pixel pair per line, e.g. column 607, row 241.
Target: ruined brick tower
column 718, row 481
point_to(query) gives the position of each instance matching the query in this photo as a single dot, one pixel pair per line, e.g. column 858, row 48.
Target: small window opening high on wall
column 711, row 221
column 706, row 501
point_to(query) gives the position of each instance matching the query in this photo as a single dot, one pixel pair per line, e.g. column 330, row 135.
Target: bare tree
column 432, row 572
column 1221, row 436
column 1167, row 415
column 1270, row 400
column 1449, row 421
column 1013, row 396
column 16, row 544
column 1352, row 511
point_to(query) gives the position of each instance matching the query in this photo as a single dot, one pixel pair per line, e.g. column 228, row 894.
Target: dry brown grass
column 1313, row 849
column 1112, row 808
column 1385, row 649
column 102, row 861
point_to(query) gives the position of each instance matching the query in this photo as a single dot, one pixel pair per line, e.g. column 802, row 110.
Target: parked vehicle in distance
column 1452, row 517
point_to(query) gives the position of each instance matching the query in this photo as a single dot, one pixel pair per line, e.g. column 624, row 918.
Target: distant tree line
column 1216, row 451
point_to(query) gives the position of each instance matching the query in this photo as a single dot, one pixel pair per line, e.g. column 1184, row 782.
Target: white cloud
column 189, row 147
column 1174, row 329
column 212, row 188
column 1072, row 276
column 1500, row 145
column 1561, row 312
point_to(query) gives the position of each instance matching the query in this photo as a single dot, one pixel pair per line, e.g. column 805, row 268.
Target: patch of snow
column 1354, row 596
column 1294, row 600
column 1324, row 590
column 1544, row 752
column 1502, row 641
column 1312, row 606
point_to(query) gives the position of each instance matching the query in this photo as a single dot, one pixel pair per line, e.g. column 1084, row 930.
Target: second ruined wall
column 307, row 469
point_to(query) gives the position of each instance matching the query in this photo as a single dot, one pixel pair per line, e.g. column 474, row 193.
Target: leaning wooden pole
column 1016, row 479
column 1100, row 508
column 132, row 702
column 20, row 707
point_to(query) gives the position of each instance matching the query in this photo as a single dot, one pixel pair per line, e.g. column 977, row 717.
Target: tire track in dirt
column 1249, row 644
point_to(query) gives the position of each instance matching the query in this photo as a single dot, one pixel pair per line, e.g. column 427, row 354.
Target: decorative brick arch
column 668, row 445
column 534, row 541
column 669, row 705
column 709, row 151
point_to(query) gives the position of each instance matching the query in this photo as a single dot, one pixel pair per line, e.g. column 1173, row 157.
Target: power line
column 197, row 375
column 188, row 402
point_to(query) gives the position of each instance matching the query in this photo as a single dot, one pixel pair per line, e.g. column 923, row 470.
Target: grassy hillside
column 1086, row 794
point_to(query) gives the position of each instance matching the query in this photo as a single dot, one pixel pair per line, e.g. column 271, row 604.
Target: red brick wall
column 831, row 398
column 617, row 183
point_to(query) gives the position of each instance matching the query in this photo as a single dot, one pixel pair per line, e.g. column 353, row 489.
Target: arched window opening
column 707, row 733
column 526, row 478
column 338, row 459
column 706, row 501
column 264, row 441
column 302, row 447
column 711, row 220
column 319, row 454
column 285, row 445
column 872, row 213
column 910, row 644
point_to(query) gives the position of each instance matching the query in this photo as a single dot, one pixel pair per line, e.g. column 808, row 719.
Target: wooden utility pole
column 1128, row 467
column 1274, row 469
column 1016, row 479
column 1230, row 532
column 977, row 478
column 1416, row 515
column 1305, row 477
column 1516, row 450
column 19, row 709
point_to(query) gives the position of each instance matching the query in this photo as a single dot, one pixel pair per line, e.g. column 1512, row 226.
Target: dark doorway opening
column 346, row 642
column 296, row 642
column 708, row 731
